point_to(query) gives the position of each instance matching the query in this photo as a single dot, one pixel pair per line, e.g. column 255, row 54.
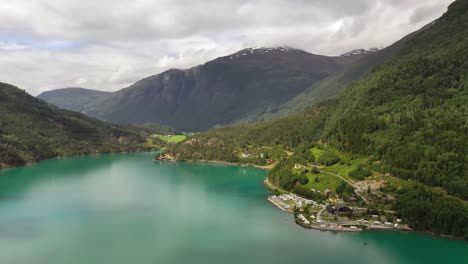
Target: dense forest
column 412, row 112
column 152, row 128
column 409, row 115
column 31, row 130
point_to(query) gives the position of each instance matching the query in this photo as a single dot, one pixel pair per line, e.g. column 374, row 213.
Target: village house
column 338, row 209
column 298, row 166
column 328, row 192
column 344, row 210
column 331, row 209
column 303, row 219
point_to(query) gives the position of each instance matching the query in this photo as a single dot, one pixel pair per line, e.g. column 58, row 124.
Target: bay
column 124, row 208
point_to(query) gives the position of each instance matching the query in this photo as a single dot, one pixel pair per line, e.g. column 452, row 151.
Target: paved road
column 272, row 187
column 320, row 213
column 357, row 189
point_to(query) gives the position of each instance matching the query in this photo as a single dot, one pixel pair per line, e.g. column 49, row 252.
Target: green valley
column 169, row 138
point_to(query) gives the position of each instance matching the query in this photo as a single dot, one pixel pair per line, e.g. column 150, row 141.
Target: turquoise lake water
column 124, row 208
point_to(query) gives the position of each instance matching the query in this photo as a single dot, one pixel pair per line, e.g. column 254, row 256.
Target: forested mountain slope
column 331, row 86
column 31, row 130
column 408, row 118
column 72, row 98
column 412, row 111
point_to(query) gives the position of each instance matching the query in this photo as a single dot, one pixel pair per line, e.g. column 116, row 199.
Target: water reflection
column 126, row 209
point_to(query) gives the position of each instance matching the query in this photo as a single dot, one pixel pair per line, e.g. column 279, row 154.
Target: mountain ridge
column 209, row 94
column 72, row 98
column 193, row 99
column 332, row 85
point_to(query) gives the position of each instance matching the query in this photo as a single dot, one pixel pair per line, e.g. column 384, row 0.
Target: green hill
column 73, row 98
column 407, row 118
column 331, row 86
column 32, row 130
column 412, row 111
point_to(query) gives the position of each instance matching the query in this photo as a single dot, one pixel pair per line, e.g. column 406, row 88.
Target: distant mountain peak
column 217, row 92
column 269, row 49
column 262, row 50
column 359, row 52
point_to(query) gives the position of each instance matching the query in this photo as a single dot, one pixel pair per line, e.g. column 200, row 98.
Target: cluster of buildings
column 383, row 224
column 303, row 219
column 289, row 202
column 262, row 156
column 298, row 201
column 299, row 166
column 318, row 224
column 166, row 157
column 339, row 209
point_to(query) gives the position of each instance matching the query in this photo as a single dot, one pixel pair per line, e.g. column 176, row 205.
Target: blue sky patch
column 33, row 42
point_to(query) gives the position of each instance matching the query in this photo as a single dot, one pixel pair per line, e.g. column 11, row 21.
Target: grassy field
column 325, row 181
column 344, row 167
column 317, row 152
column 170, row 138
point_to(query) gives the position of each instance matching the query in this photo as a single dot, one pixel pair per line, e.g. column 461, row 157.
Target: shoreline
column 272, row 187
column 371, row 228
column 279, row 206
column 266, row 182
column 317, row 227
column 267, row 167
column 8, row 166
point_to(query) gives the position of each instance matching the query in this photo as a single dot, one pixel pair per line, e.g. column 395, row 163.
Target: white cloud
column 110, row 44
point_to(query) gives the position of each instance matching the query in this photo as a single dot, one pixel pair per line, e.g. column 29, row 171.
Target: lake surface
column 123, row 208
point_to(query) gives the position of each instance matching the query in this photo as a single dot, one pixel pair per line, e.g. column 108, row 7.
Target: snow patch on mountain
column 260, row 50
column 360, row 52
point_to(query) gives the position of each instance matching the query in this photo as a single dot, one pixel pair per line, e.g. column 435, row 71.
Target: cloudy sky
column 110, row 44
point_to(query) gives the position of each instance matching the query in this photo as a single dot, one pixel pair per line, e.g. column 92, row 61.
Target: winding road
column 357, row 189
column 320, row 213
